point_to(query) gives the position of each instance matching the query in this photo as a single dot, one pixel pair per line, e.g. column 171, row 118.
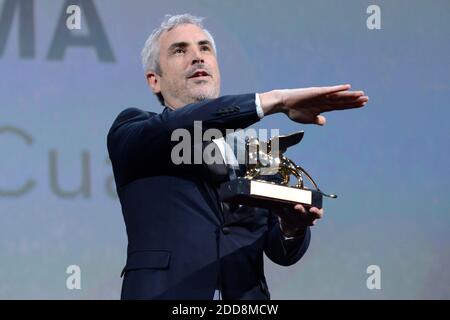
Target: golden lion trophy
column 265, row 183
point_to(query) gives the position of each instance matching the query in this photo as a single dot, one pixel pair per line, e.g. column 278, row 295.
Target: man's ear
column 153, row 80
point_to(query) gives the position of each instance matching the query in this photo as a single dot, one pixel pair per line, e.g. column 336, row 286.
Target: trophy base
column 263, row 194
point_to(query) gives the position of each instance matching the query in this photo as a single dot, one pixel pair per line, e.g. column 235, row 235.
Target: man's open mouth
column 199, row 73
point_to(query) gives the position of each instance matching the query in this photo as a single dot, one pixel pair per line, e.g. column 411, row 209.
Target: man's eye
column 178, row 51
column 206, row 48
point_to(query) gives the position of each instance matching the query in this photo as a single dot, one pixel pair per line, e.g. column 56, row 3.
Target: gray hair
column 150, row 52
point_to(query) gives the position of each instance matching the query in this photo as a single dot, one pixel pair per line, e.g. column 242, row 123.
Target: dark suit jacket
column 183, row 243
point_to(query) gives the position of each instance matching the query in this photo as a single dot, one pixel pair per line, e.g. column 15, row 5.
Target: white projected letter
column 374, row 280
column 74, row 280
column 374, row 20
column 74, row 20
column 181, row 152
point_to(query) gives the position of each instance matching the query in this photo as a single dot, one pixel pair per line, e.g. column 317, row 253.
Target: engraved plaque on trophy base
column 263, row 194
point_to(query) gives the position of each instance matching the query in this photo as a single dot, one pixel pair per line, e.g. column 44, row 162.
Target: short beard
column 201, row 98
column 210, row 94
column 187, row 97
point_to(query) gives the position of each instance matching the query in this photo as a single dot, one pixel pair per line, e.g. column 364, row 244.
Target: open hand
column 305, row 105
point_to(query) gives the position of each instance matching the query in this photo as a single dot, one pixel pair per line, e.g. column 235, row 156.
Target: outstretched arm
column 305, row 105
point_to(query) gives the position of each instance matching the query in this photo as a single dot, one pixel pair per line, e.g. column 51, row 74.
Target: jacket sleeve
column 281, row 251
column 139, row 141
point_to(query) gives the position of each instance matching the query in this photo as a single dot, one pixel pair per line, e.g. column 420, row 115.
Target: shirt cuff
column 295, row 236
column 259, row 109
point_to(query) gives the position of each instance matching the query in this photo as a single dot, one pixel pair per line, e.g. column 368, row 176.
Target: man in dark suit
column 183, row 243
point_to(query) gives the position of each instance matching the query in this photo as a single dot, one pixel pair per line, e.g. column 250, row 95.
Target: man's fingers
column 320, row 120
column 354, row 99
column 361, row 101
column 308, row 216
column 347, row 104
column 300, row 208
column 316, row 212
column 344, row 95
column 334, row 89
column 348, row 99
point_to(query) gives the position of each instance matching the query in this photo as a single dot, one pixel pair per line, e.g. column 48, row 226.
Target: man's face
column 190, row 72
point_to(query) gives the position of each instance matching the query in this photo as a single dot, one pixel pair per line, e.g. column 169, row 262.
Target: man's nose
column 198, row 57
